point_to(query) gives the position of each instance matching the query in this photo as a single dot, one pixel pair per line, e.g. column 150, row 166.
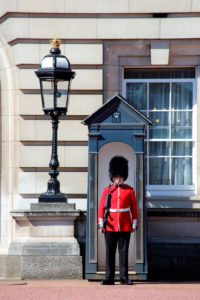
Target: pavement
column 86, row 290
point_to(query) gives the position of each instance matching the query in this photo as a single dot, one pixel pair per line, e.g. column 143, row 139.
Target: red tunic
column 123, row 197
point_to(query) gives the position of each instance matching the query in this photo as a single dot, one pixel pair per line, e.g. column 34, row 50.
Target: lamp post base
column 46, row 247
column 49, row 198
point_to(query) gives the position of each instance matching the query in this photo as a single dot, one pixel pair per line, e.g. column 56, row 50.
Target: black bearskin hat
column 118, row 166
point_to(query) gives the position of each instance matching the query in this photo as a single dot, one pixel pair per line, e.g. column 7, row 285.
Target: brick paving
column 84, row 290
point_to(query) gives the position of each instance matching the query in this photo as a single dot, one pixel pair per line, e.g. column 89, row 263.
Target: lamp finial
column 55, row 43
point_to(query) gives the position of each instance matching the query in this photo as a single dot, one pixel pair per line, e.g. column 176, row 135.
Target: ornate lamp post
column 55, row 75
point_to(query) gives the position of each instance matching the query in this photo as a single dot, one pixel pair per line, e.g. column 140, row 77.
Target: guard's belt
column 119, row 209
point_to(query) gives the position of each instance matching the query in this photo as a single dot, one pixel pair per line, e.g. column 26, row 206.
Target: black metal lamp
column 55, row 75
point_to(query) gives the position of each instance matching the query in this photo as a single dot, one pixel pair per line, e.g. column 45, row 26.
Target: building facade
column 147, row 51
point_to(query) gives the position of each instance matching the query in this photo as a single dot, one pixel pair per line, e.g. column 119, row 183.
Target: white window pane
column 182, row 125
column 159, row 171
column 160, row 127
column 182, row 95
column 136, row 95
column 158, row 95
column 182, row 171
column 159, row 148
column 182, row 149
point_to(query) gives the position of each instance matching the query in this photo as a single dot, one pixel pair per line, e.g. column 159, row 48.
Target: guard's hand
column 133, row 230
column 101, row 230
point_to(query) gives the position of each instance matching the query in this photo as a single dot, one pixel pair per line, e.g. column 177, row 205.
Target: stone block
column 30, row 104
column 184, row 60
column 159, row 52
column 91, row 54
column 51, row 267
column 14, row 267
column 21, row 53
column 91, row 6
column 172, row 28
column 72, row 130
column 44, row 246
column 52, row 228
column 27, row 183
column 195, row 5
column 128, row 28
column 41, row 6
column 135, row 61
column 22, row 228
column 77, row 28
column 84, row 104
column 11, row 28
column 52, row 207
column 3, row 265
column 10, row 266
column 87, row 80
column 8, row 6
column 157, row 6
column 28, row 79
column 184, row 49
column 40, row 156
column 27, row 130
column 76, row 156
column 40, row 267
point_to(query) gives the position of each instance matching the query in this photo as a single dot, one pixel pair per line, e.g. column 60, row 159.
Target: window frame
column 173, row 190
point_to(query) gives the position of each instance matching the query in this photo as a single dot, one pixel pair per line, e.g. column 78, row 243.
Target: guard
column 121, row 219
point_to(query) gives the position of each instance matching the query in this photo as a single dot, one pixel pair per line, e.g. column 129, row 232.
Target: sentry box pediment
column 117, row 120
column 117, row 111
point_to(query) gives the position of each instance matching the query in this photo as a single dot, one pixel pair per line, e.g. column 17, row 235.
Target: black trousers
column 112, row 239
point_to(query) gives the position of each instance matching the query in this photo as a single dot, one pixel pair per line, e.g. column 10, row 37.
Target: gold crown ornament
column 55, row 43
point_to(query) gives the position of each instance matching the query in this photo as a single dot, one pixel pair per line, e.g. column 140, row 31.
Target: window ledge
column 173, row 212
column 173, row 197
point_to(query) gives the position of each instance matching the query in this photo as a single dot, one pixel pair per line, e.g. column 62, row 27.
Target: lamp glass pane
column 62, row 63
column 47, row 62
column 48, row 93
column 61, row 94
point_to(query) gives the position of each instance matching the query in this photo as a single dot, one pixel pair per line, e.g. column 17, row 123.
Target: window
column 167, row 98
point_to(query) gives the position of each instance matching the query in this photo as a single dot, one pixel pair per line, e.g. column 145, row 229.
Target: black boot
column 126, row 281
column 107, row 282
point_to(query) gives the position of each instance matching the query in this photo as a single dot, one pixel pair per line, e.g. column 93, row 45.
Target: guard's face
column 117, row 180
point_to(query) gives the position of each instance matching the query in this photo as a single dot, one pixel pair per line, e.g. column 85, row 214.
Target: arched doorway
column 106, row 152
